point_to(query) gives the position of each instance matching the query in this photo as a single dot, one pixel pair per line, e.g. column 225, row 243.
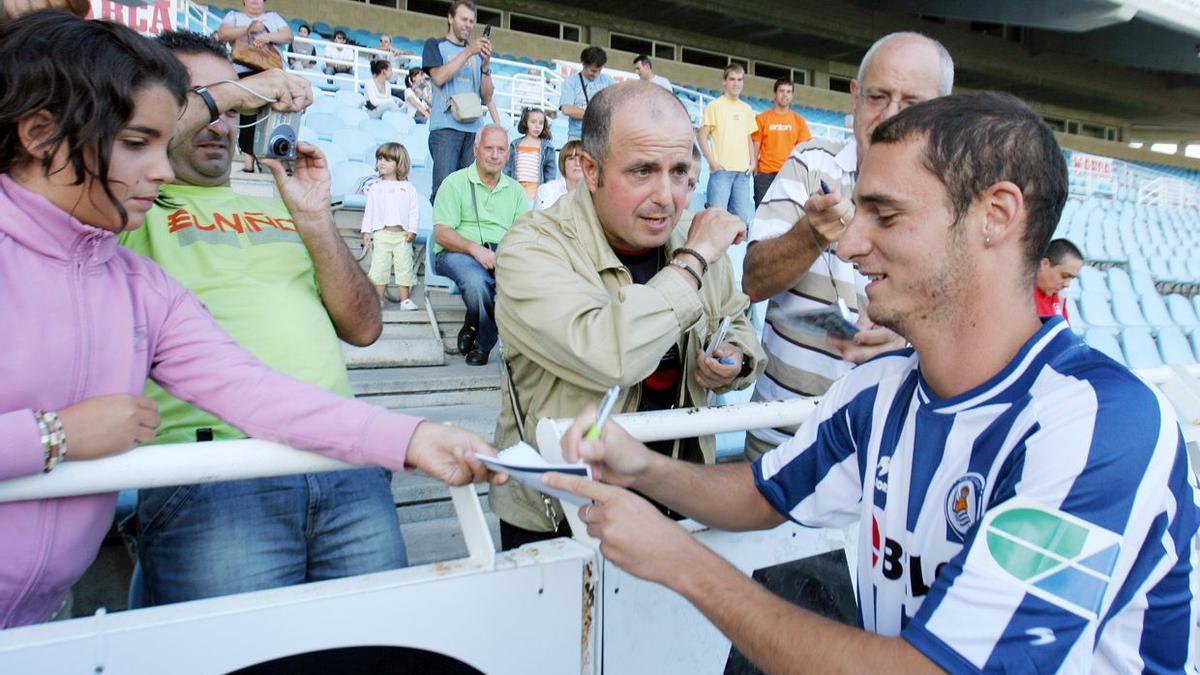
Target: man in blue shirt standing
column 456, row 67
column 581, row 87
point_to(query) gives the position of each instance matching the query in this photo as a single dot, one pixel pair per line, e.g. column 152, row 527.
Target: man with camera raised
column 276, row 275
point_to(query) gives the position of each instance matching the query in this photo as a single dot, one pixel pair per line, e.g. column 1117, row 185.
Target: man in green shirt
column 473, row 210
column 276, row 275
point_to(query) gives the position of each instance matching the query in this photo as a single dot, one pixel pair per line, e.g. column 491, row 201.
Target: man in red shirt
column 1057, row 269
column 779, row 130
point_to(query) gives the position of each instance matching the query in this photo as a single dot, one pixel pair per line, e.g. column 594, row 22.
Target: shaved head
column 644, row 99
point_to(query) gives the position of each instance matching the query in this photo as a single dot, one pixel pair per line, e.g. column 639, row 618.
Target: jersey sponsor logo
column 779, row 127
column 881, row 472
column 964, row 505
column 1053, row 555
column 889, row 556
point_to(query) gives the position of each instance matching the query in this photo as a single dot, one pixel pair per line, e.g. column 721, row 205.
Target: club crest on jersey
column 964, row 505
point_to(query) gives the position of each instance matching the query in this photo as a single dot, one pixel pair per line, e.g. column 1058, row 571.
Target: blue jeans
column 732, row 191
column 478, row 291
column 213, row 539
column 450, row 150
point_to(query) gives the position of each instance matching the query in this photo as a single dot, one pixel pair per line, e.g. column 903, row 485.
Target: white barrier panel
column 529, row 615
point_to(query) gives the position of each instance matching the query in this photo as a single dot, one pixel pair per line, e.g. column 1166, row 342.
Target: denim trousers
column 450, row 150
column 478, row 287
column 732, row 191
column 213, row 539
column 762, row 182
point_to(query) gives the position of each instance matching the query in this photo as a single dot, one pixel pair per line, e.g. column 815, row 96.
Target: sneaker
column 477, row 357
column 466, row 338
column 408, row 305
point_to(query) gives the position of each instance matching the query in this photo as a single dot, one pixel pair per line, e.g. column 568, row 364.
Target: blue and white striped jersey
column 1043, row 521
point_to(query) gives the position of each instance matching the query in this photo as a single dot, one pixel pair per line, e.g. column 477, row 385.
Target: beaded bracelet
column 53, row 438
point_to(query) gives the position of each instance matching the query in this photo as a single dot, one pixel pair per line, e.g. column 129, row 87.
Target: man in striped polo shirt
column 1024, row 503
column 790, row 260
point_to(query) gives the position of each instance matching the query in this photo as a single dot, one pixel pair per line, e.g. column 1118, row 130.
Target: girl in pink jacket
column 83, row 150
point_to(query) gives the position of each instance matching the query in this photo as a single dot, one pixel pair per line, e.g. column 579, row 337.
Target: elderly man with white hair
column 796, row 228
column 473, row 210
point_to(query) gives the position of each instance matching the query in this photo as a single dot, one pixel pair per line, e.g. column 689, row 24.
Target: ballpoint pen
column 606, row 406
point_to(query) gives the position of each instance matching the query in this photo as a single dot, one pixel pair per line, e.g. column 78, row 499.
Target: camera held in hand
column 277, row 135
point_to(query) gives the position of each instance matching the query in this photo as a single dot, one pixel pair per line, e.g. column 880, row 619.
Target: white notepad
column 526, row 465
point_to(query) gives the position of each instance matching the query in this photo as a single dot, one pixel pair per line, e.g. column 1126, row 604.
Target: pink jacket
column 80, row 317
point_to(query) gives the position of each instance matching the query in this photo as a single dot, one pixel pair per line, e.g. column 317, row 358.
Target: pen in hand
column 606, row 406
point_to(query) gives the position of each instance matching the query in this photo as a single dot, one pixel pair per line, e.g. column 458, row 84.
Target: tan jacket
column 574, row 324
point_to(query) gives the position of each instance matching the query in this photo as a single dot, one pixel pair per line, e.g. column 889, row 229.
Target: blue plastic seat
column 333, row 154
column 1140, row 350
column 1125, row 309
column 1077, row 322
column 379, row 130
column 1155, row 311
column 433, row 279
column 323, row 123
column 1119, row 282
column 399, row 121
column 346, row 98
column 352, row 117
column 345, row 177
column 354, row 142
column 323, row 104
column 1104, row 342
column 1182, row 312
column 1143, row 284
column 1092, row 280
column 1095, row 310
column 1174, row 347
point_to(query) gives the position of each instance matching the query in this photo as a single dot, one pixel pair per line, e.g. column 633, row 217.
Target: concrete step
column 480, row 419
column 455, row 375
column 433, row 399
column 396, row 352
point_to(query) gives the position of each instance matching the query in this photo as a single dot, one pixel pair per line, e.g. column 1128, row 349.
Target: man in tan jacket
column 604, row 289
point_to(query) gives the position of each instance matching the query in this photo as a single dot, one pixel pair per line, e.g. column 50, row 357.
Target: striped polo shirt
column 801, row 363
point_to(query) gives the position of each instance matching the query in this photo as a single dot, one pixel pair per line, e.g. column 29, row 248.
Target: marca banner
column 149, row 17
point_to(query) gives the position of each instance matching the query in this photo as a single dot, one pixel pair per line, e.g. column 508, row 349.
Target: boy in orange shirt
column 779, row 130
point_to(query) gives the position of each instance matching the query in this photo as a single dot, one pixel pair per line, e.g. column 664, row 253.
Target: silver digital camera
column 276, row 136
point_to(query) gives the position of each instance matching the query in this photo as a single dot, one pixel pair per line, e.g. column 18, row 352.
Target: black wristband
column 688, row 268
column 695, row 254
column 213, row 111
column 485, row 72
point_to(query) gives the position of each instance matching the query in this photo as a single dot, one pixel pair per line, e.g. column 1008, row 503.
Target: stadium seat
column 1104, row 342
column 1078, row 325
column 1174, row 347
column 1093, row 281
column 1155, row 311
column 345, row 177
column 1119, row 282
column 1125, row 309
column 346, row 98
column 433, row 279
column 355, row 143
column 1095, row 310
column 352, row 117
column 379, row 130
column 323, row 123
column 308, row 135
column 333, row 153
column 323, row 104
column 1140, row 350
column 1182, row 312
column 1143, row 284
column 399, row 121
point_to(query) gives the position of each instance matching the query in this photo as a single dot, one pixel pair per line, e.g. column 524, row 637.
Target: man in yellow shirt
column 729, row 122
column 779, row 130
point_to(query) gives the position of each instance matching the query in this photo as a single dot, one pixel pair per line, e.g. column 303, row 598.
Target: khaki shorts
column 392, row 254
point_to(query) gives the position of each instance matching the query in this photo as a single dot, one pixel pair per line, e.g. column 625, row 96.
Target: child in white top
column 390, row 221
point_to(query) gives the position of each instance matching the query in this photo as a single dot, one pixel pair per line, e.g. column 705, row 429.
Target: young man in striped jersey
column 1025, row 504
column 790, row 256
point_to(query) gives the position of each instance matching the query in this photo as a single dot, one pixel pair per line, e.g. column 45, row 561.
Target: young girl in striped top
column 531, row 161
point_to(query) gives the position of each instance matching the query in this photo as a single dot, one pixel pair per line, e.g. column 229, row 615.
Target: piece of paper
column 522, row 463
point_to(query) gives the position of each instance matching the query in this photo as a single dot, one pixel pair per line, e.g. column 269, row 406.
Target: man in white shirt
column 645, row 71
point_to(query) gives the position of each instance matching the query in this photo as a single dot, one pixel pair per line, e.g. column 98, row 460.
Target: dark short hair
column 1060, row 250
column 593, row 56
column 642, row 58
column 189, row 42
column 87, row 89
column 412, row 75
column 305, row 27
column 784, row 82
column 461, row 3
column 523, row 124
column 973, row 141
column 340, row 32
column 379, row 65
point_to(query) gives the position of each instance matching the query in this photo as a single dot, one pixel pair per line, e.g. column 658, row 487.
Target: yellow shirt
column 730, row 124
